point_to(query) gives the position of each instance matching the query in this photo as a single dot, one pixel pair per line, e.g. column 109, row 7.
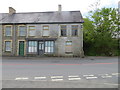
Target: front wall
column 54, row 32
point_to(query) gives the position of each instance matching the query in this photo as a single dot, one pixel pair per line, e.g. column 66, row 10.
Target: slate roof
column 42, row 17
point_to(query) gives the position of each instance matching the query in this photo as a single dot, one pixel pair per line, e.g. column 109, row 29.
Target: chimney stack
column 11, row 10
column 59, row 7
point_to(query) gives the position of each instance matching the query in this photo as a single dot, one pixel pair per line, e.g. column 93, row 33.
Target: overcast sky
column 52, row 5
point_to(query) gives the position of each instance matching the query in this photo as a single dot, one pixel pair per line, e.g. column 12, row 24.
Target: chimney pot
column 59, row 7
column 11, row 10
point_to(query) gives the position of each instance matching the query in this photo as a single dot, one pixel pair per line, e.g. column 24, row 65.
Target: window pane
column 74, row 30
column 31, row 27
column 7, row 46
column 49, row 46
column 32, row 33
column 8, row 31
column 32, row 47
column 68, row 42
column 45, row 27
column 22, row 31
column 63, row 30
column 45, row 32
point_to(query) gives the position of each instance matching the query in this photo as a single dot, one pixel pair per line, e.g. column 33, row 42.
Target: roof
column 42, row 17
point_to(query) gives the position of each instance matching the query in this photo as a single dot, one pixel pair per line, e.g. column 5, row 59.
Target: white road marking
column 115, row 73
column 91, row 77
column 111, row 84
column 57, row 80
column 21, row 78
column 39, row 77
column 56, row 76
column 74, row 78
column 103, row 74
column 106, row 76
column 88, row 75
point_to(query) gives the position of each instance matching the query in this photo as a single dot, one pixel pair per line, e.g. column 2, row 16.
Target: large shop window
column 32, row 46
column 49, row 46
column 8, row 46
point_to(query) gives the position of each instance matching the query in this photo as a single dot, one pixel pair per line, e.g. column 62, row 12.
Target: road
column 98, row 72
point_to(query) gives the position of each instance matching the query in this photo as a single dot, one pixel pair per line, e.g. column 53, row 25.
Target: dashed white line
column 114, row 73
column 56, row 76
column 106, row 76
column 111, row 84
column 21, row 78
column 57, row 80
column 39, row 77
column 91, row 77
column 74, row 78
column 88, row 75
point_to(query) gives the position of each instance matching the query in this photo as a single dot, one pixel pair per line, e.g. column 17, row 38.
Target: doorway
column 21, row 48
column 41, row 48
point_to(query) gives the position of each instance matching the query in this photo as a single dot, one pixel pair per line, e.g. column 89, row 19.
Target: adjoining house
column 57, row 33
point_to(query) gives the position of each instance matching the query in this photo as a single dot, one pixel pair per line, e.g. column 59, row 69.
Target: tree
column 102, row 24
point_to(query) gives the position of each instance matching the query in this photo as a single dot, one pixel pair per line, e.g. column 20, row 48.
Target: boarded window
column 74, row 30
column 8, row 31
column 32, row 31
column 68, row 47
column 32, row 46
column 22, row 31
column 45, row 30
column 49, row 46
column 63, row 30
column 7, row 45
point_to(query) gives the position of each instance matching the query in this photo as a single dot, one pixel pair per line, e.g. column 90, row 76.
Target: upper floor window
column 63, row 29
column 32, row 31
column 22, row 31
column 8, row 30
column 74, row 30
column 45, row 30
column 8, row 46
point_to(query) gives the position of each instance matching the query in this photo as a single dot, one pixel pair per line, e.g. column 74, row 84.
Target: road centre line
column 39, row 77
column 74, row 78
column 57, row 80
column 112, row 84
column 106, row 76
column 21, row 78
column 115, row 73
column 56, row 76
column 91, row 77
column 88, row 75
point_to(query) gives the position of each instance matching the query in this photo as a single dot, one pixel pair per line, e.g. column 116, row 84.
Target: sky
column 52, row 5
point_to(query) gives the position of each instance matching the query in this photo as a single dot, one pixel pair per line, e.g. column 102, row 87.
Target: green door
column 21, row 48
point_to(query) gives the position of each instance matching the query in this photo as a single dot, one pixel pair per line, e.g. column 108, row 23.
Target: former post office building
column 57, row 33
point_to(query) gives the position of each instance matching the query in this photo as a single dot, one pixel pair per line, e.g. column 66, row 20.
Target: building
column 57, row 33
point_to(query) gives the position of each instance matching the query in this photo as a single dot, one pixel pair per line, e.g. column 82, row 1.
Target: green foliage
column 98, row 31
